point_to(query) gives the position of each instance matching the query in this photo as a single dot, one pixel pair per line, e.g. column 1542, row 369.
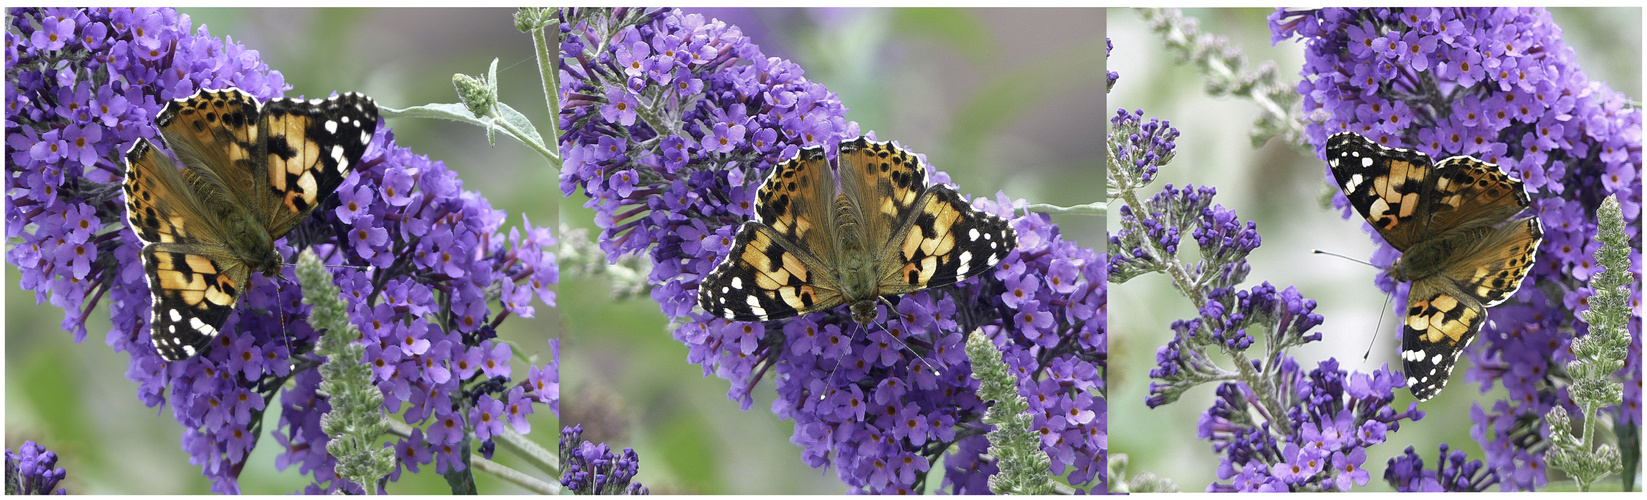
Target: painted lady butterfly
column 887, row 232
column 252, row 172
column 1462, row 245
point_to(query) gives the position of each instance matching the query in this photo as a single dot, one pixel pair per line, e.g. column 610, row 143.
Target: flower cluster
column 33, row 471
column 1275, row 426
column 1452, row 473
column 416, row 254
column 591, row 469
column 1500, row 85
column 1325, row 437
column 670, row 123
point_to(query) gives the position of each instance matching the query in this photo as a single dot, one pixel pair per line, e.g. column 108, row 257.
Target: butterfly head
column 864, row 312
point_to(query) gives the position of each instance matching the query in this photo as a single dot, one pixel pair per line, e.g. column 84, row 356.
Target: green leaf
column 521, row 126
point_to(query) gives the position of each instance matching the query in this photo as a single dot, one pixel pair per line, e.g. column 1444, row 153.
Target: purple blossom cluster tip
column 592, row 469
column 1452, row 473
column 32, row 470
column 671, row 121
column 415, row 253
column 1500, row 85
column 1110, row 76
column 1320, row 445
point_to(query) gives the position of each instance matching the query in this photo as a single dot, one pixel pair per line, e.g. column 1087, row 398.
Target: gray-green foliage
column 1597, row 358
column 1225, row 67
column 356, row 420
column 1024, row 467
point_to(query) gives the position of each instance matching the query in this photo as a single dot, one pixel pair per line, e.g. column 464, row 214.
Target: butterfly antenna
column 1342, row 256
column 890, row 310
column 280, row 303
column 1377, row 329
column 829, row 379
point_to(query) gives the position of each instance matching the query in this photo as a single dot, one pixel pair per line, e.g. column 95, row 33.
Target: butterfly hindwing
column 1462, row 246
column 193, row 295
column 883, row 183
column 160, row 206
column 1440, row 324
column 778, row 263
column 1471, row 193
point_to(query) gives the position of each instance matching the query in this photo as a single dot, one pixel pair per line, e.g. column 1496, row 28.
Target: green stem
column 549, row 69
column 538, row 456
column 542, row 149
column 514, row 477
column 1190, row 288
column 1097, row 208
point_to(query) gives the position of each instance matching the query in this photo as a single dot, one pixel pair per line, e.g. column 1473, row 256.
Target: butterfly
column 251, row 172
column 887, row 231
column 1462, row 244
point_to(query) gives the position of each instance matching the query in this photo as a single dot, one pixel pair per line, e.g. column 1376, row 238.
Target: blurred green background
column 75, row 399
column 1001, row 99
column 1281, row 187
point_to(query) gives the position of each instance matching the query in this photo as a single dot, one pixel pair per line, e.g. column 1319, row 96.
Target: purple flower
column 1452, row 473
column 620, row 107
column 33, row 471
column 1347, row 469
column 591, row 469
column 487, row 416
column 93, row 85
column 727, row 113
column 1500, row 85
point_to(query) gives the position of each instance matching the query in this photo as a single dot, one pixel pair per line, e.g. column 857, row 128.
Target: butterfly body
column 886, row 231
column 251, row 173
column 1463, row 246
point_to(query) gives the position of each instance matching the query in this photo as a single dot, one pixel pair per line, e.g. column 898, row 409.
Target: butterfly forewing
column 779, row 264
column 194, row 287
column 946, row 241
column 309, row 147
column 1384, row 185
column 1440, row 323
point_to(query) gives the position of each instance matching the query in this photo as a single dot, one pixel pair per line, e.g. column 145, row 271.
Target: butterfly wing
column 1441, row 322
column 1445, row 312
column 307, row 147
column 924, row 235
column 1452, row 223
column 946, row 241
column 884, row 184
column 1470, row 193
column 194, row 280
column 782, row 262
column 214, row 133
column 1389, row 187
